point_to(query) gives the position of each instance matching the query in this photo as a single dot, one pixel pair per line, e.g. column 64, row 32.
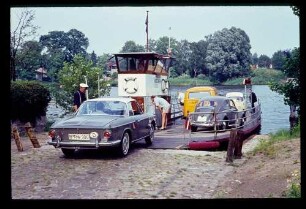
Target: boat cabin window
column 142, row 65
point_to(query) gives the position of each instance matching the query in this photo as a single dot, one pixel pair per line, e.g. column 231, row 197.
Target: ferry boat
column 143, row 74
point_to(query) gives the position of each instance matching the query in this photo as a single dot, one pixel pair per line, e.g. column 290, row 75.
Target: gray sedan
column 215, row 111
column 103, row 122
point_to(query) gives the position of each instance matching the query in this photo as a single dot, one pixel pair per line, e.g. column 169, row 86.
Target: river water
column 275, row 114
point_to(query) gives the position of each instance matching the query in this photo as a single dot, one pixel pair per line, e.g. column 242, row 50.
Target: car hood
column 86, row 121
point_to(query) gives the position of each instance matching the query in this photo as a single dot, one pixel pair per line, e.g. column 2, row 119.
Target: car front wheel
column 149, row 139
column 124, row 147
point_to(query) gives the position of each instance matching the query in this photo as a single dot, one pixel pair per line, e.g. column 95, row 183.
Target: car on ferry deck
column 239, row 100
column 215, row 111
column 193, row 95
column 103, row 123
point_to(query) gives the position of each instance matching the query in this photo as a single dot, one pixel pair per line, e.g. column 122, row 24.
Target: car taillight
column 51, row 133
column 107, row 134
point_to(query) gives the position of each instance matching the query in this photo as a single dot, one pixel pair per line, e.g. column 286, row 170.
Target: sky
column 270, row 28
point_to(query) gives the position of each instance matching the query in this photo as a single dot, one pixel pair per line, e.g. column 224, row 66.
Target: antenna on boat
column 147, row 30
column 169, row 49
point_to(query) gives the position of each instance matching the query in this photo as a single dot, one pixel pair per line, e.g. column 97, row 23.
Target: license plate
column 202, row 118
column 81, row 137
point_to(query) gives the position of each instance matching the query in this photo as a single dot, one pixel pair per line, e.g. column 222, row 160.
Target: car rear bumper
column 83, row 145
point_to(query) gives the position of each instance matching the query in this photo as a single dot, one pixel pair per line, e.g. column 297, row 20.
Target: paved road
column 44, row 173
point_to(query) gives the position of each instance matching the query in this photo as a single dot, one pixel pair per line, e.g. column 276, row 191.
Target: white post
column 98, row 85
column 86, row 89
column 169, row 49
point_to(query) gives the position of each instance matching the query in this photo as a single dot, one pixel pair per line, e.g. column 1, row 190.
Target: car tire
column 242, row 121
column 193, row 128
column 124, row 147
column 68, row 152
column 149, row 139
column 224, row 124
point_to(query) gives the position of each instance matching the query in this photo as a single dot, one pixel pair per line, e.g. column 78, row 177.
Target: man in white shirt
column 164, row 108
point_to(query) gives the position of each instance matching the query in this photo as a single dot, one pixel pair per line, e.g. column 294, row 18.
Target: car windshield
column 102, row 108
column 237, row 98
column 198, row 95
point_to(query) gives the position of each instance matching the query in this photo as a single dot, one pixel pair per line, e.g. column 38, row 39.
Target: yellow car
column 193, row 95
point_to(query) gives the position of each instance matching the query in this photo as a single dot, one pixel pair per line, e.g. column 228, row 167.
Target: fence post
column 238, row 145
column 16, row 136
column 231, row 145
column 31, row 135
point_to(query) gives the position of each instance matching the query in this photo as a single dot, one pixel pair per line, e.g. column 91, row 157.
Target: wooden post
column 238, row 145
column 31, row 135
column 16, row 136
column 231, row 145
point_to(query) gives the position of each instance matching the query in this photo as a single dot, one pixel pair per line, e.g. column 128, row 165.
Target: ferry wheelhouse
column 143, row 74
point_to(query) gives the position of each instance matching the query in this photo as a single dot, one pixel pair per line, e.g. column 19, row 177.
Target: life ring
column 164, row 85
column 130, row 86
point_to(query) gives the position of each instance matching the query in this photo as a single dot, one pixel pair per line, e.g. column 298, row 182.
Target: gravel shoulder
column 44, row 173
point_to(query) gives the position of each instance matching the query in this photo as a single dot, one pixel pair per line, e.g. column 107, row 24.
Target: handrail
column 248, row 117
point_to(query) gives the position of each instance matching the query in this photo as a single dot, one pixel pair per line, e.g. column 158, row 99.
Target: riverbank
column 151, row 174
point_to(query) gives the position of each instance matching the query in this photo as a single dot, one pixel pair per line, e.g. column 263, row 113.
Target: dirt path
column 44, row 173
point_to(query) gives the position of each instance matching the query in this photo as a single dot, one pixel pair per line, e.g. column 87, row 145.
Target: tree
column 278, row 60
column 264, row 61
column 228, row 54
column 93, row 58
column 296, row 10
column 104, row 63
column 290, row 89
column 74, row 73
column 182, row 53
column 255, row 59
column 24, row 30
column 197, row 57
column 75, row 43
column 28, row 60
column 131, row 46
column 60, row 47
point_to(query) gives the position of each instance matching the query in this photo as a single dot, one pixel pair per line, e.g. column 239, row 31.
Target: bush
column 29, row 101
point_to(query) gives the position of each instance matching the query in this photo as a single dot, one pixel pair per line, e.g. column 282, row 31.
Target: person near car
column 164, row 108
column 79, row 96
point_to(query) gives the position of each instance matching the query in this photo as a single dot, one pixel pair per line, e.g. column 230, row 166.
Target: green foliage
column 28, row 59
column 265, row 76
column 197, row 58
column 290, row 89
column 296, row 10
column 186, row 80
column 74, row 73
column 61, row 47
column 266, row 146
column 294, row 185
column 131, row 46
column 278, row 60
column 264, row 61
column 29, row 101
column 228, row 54
column 255, row 59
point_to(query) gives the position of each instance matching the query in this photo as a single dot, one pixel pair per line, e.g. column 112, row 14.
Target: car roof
column 214, row 98
column 119, row 99
column 201, row 88
column 234, row 94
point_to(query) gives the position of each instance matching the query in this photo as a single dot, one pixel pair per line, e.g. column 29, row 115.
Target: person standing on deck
column 253, row 99
column 164, row 108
